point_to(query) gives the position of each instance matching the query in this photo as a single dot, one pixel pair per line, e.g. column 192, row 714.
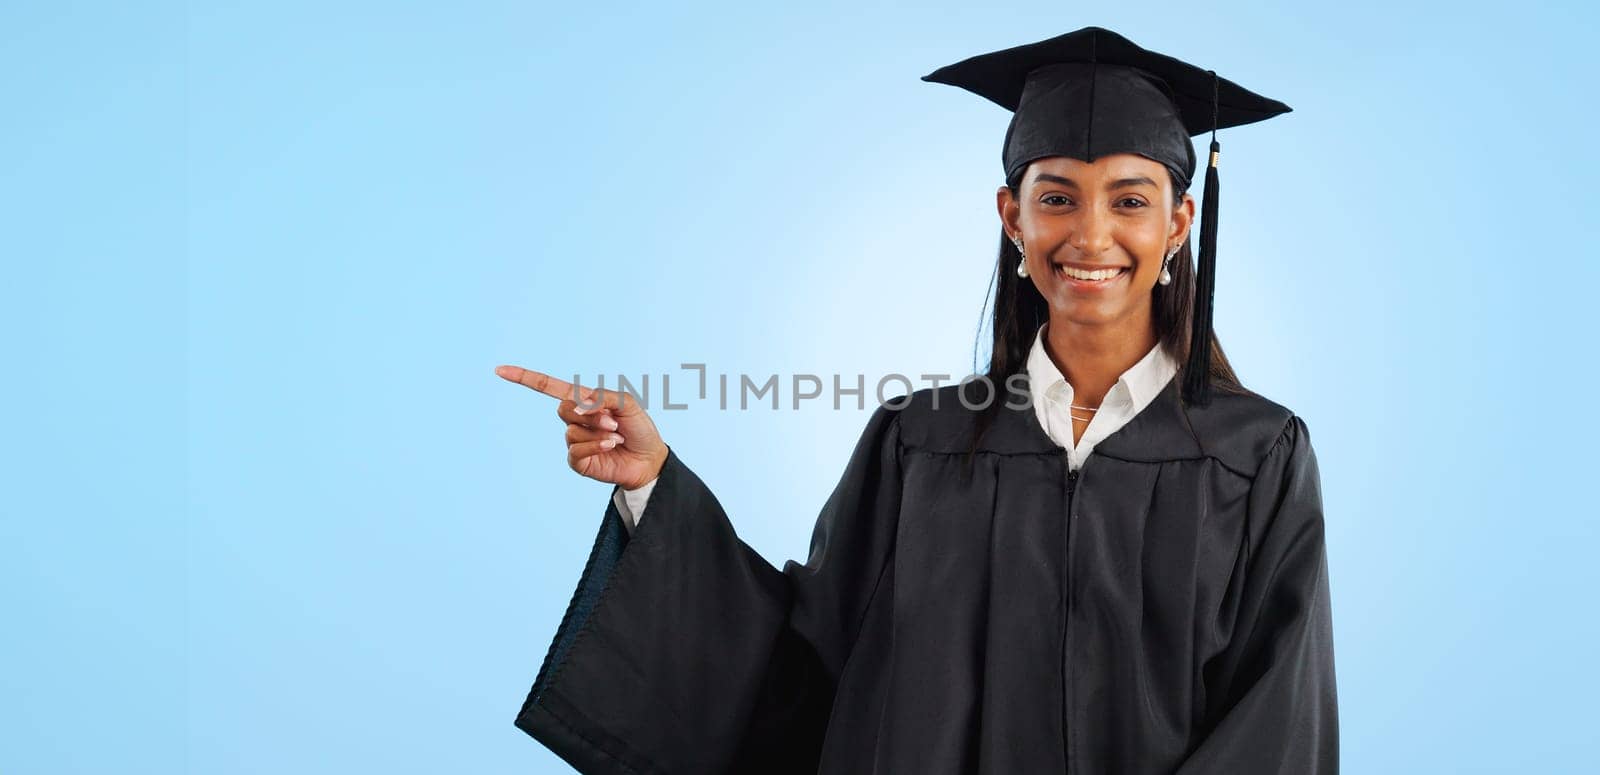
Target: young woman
column 1123, row 572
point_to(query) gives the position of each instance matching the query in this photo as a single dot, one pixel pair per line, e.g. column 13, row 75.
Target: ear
column 1182, row 219
column 1010, row 211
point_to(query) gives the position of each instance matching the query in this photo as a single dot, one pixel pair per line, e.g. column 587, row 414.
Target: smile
column 1086, row 277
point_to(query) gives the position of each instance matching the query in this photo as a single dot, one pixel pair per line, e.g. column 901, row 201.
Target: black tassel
column 1197, row 377
column 1197, row 373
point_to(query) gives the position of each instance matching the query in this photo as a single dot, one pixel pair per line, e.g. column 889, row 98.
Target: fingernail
column 608, row 423
column 617, row 437
column 608, row 444
column 579, row 409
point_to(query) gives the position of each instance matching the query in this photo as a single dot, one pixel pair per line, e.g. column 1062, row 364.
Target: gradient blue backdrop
column 267, row 509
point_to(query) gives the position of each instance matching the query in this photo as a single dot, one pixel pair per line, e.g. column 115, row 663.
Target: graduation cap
column 1092, row 92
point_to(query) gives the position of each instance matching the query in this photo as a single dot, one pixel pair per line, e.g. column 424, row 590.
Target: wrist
column 653, row 472
column 659, row 463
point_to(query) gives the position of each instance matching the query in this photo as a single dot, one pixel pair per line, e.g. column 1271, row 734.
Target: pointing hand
column 612, row 440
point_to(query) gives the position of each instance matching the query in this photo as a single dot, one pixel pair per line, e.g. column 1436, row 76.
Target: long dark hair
column 1019, row 310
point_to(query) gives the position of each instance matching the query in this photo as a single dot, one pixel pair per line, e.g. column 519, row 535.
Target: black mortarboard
column 1092, row 92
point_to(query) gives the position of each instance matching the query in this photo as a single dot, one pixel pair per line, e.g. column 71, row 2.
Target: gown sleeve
column 1270, row 694
column 683, row 651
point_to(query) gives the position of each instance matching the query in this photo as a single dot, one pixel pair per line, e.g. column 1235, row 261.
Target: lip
column 1088, row 285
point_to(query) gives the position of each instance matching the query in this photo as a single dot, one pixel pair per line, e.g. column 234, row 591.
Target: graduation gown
column 1164, row 609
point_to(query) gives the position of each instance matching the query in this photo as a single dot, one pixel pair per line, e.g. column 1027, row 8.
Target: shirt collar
column 1043, row 376
column 1143, row 381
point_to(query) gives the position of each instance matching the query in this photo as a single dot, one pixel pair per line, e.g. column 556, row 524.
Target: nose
column 1091, row 233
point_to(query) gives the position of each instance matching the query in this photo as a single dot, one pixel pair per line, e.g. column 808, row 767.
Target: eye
column 1062, row 200
column 1137, row 203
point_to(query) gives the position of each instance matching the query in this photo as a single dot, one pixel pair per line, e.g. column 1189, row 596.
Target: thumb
column 618, row 403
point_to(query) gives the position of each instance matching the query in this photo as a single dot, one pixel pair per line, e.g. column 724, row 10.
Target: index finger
column 554, row 387
column 588, row 399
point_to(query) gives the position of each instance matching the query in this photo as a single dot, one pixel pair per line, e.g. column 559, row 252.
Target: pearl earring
column 1022, row 265
column 1166, row 276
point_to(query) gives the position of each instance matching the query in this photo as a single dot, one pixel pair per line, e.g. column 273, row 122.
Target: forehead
column 1108, row 167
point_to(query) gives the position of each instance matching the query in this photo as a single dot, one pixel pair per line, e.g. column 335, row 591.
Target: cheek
column 1144, row 276
column 1146, row 244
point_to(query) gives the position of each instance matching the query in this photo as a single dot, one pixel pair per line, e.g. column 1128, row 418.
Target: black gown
column 1178, row 621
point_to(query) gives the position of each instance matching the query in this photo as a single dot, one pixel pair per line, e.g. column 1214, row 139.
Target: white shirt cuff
column 631, row 503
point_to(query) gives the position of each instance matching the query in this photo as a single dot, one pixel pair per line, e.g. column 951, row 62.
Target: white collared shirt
column 1052, row 396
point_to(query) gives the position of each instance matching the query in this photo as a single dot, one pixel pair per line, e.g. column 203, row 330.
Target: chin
column 1097, row 312
column 1088, row 314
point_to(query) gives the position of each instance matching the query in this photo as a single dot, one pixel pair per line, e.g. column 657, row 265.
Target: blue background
column 267, row 509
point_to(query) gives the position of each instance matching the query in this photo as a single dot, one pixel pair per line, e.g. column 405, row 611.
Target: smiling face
column 1095, row 234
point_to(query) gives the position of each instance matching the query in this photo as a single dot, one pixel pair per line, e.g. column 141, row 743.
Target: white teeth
column 1098, row 274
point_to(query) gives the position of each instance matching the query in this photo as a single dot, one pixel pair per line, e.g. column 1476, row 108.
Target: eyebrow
column 1045, row 177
